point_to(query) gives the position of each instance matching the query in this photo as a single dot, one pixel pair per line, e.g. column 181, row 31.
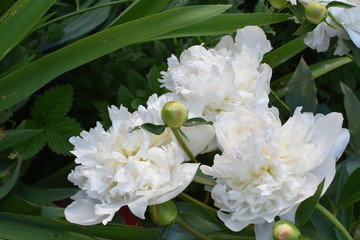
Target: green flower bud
column 316, row 12
column 285, row 230
column 163, row 214
column 174, row 114
column 279, row 4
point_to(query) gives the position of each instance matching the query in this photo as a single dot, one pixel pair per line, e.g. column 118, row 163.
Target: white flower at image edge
column 225, row 77
column 267, row 170
column 118, row 168
column 349, row 19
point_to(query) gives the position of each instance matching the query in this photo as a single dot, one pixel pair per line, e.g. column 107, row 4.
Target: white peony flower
column 267, row 170
column 223, row 78
column 118, row 168
column 349, row 19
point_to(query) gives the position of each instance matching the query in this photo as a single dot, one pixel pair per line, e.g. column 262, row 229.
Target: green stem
column 334, row 221
column 334, row 19
column 183, row 145
column 204, row 181
column 190, row 229
column 280, row 101
column 186, row 197
column 79, row 12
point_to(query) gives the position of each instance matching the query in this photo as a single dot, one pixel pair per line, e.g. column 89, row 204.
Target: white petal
column 246, row 36
column 82, row 211
column 263, row 231
column 189, row 171
column 138, row 207
column 340, row 144
column 355, row 36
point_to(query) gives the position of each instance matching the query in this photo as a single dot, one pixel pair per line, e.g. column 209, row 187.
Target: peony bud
column 174, row 114
column 316, row 12
column 163, row 214
column 285, row 230
column 279, row 4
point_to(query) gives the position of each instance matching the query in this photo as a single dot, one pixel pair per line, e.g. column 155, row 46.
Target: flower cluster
column 265, row 169
column 341, row 22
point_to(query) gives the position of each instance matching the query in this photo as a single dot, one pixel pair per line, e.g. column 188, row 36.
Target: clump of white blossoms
column 118, row 167
column 222, row 78
column 267, row 169
column 346, row 27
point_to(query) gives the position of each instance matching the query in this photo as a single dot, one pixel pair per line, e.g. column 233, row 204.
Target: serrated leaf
column 352, row 108
column 34, row 144
column 307, row 207
column 155, row 129
column 351, row 190
column 14, row 137
column 54, row 103
column 196, row 122
column 301, row 90
column 339, row 4
column 58, row 133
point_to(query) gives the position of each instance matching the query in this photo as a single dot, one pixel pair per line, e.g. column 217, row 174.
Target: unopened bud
column 285, row 230
column 316, row 12
column 279, row 4
column 163, row 214
column 174, row 114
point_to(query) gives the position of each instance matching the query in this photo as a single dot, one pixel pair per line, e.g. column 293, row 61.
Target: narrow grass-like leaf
column 58, row 133
column 351, row 190
column 79, row 12
column 14, row 137
column 285, row 52
column 318, row 69
column 339, row 4
column 53, row 104
column 352, row 108
column 224, row 24
column 19, row 20
column 34, row 227
column 196, row 122
column 8, row 185
column 307, row 207
column 139, row 9
column 301, row 90
column 304, row 28
column 42, row 71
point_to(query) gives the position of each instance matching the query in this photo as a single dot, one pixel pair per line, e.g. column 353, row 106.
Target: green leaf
column 339, row 4
column 351, row 190
column 139, row 9
column 301, row 90
column 285, row 52
column 196, row 122
column 53, row 104
column 34, row 144
column 355, row 51
column 152, row 79
column 305, row 27
column 19, row 20
column 224, row 24
column 352, row 108
column 58, row 133
column 155, row 129
column 42, row 71
column 34, row 227
column 8, row 185
column 14, row 137
column 307, row 207
column 318, row 69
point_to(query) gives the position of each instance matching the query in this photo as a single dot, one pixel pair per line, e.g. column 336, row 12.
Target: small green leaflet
column 196, row 122
column 155, row 129
column 339, row 4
